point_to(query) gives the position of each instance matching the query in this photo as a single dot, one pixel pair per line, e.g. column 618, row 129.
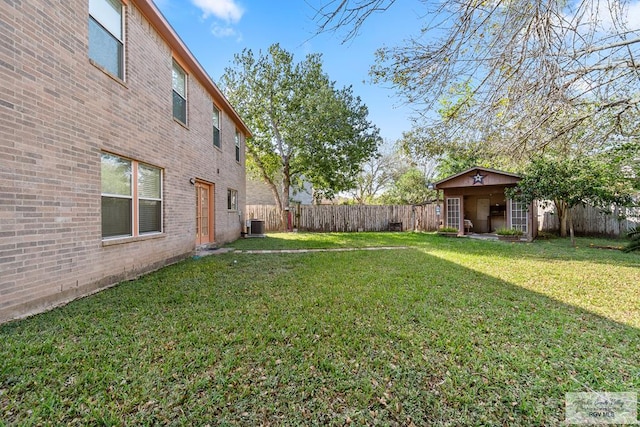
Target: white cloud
column 225, row 31
column 227, row 10
column 611, row 14
column 633, row 13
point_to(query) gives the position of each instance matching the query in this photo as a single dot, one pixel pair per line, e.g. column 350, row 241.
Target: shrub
column 448, row 230
column 509, row 232
column 634, row 244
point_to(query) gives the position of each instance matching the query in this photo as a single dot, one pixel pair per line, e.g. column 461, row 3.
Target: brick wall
column 58, row 113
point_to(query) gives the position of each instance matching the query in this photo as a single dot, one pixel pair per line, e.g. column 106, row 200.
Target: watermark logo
column 601, row 408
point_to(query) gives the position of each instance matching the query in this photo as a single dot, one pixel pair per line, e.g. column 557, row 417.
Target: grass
column 447, row 332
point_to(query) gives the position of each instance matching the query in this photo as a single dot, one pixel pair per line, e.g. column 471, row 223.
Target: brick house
column 118, row 154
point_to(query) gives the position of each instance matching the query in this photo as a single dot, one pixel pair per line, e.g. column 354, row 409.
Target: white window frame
column 140, row 198
column 523, row 212
column 453, row 214
column 175, row 66
column 216, row 118
column 232, row 199
column 100, row 21
column 237, row 143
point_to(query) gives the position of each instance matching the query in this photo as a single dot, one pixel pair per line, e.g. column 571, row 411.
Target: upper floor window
column 179, row 79
column 237, row 146
column 216, row 127
column 106, row 35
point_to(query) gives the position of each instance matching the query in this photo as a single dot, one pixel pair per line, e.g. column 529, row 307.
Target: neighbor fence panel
column 336, row 218
column 267, row 213
column 588, row 220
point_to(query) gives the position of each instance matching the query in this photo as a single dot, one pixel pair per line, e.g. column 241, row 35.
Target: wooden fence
column 588, row 220
column 326, row 218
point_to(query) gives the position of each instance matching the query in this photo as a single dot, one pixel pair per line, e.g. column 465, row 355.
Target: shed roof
column 496, row 177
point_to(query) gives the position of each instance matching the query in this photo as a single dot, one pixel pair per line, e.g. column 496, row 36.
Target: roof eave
column 449, row 178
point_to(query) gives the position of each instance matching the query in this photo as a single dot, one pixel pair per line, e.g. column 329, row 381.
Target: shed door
column 204, row 213
column 481, row 224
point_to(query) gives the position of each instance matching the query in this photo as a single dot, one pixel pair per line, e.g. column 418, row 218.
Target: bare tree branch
column 336, row 14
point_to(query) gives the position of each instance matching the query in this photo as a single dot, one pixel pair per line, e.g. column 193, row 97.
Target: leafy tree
column 304, row 128
column 411, row 188
column 568, row 182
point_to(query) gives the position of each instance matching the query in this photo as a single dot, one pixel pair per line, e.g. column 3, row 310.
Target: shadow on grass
column 323, row 338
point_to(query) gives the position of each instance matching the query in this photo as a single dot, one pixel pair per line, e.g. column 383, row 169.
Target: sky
column 216, row 30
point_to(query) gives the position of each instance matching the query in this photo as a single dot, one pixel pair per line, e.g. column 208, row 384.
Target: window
column 105, row 35
column 232, row 200
column 237, row 146
column 117, row 197
column 216, row 127
column 518, row 216
column 453, row 213
column 179, row 80
column 149, row 199
column 130, row 190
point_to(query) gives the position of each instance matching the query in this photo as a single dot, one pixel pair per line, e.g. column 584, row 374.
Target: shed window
column 518, row 216
column 453, row 213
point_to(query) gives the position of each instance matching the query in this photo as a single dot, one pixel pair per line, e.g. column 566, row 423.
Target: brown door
column 204, row 213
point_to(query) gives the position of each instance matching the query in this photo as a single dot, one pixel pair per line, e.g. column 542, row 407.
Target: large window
column 130, row 190
column 453, row 213
column 232, row 200
column 149, row 199
column 237, row 146
column 179, row 81
column 518, row 216
column 117, row 196
column 216, row 127
column 106, row 41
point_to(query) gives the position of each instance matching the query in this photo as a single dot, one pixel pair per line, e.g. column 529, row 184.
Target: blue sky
column 215, row 30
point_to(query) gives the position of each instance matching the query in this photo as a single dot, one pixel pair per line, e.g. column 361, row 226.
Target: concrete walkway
column 301, row 251
column 200, row 252
column 218, row 251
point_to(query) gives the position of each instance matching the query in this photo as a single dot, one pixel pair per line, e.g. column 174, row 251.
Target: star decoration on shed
column 477, row 178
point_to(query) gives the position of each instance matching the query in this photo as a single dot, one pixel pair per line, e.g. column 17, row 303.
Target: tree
column 568, row 182
column 376, row 174
column 410, row 188
column 304, row 128
column 527, row 74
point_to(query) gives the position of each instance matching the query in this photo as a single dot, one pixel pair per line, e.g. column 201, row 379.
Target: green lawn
column 445, row 332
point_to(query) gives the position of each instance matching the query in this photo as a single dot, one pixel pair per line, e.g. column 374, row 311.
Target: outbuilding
column 475, row 202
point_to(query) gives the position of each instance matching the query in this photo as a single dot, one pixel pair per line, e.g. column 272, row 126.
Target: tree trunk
column 562, row 210
column 573, row 239
column 286, row 185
